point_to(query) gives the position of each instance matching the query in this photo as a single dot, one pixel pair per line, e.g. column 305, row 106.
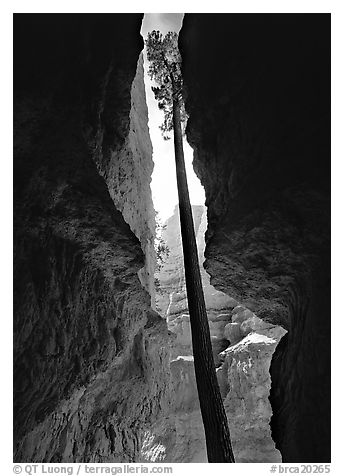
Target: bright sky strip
column 163, row 185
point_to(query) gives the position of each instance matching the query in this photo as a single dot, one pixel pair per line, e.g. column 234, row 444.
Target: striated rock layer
column 257, row 94
column 243, row 346
column 90, row 359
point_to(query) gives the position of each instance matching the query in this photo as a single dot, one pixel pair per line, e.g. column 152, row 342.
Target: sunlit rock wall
column 128, row 175
column 257, row 91
column 90, row 358
column 245, row 384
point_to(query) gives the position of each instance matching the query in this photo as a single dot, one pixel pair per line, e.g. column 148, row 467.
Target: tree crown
column 165, row 69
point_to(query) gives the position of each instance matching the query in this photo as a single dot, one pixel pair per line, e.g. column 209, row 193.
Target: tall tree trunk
column 217, row 435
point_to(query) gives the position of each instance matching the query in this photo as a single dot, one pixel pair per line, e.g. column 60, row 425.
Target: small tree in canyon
column 165, row 70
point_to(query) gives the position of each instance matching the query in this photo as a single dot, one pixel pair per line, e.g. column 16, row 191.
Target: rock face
column 128, row 175
column 245, row 383
column 171, row 298
column 90, row 358
column 243, row 346
column 257, row 94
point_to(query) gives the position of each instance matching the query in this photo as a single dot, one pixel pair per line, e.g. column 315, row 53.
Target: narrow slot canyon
column 103, row 365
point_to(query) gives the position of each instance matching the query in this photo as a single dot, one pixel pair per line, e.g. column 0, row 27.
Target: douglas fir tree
column 165, row 70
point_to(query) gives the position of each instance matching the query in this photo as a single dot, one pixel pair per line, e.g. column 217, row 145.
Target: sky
column 163, row 185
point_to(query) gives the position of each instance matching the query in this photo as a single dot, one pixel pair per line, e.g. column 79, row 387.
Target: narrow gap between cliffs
column 164, row 185
column 242, row 343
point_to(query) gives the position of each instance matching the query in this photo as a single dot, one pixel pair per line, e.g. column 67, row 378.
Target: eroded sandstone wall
column 90, row 359
column 128, row 176
column 258, row 96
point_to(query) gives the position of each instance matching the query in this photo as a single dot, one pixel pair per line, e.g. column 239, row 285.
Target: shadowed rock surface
column 258, row 96
column 90, row 358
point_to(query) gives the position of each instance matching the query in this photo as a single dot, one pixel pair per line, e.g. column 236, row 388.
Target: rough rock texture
column 171, row 298
column 257, row 94
column 128, row 175
column 178, row 437
column 245, row 384
column 90, row 359
column 243, row 346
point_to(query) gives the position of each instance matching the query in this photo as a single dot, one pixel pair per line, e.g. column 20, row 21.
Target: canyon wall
column 243, row 346
column 257, row 90
column 128, row 173
column 90, row 358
